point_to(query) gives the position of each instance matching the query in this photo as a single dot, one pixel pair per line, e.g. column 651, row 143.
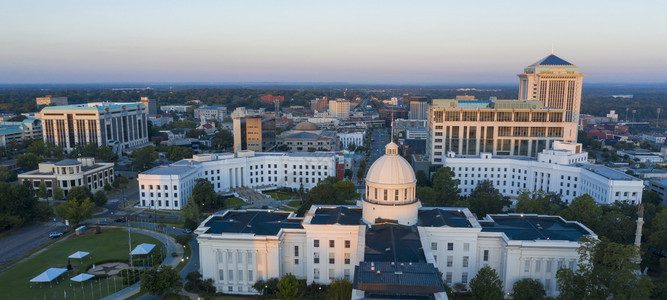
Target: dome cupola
column 390, row 189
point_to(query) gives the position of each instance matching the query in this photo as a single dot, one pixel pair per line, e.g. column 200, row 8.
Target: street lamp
column 266, row 292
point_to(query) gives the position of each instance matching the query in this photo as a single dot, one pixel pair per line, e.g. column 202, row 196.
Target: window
column 296, row 250
column 465, row 261
column 450, row 246
column 549, row 263
column 526, row 267
column 538, row 265
column 347, row 244
column 486, row 255
column 250, row 278
column 464, row 277
column 450, row 260
column 296, row 261
column 448, row 277
column 466, row 246
column 434, row 246
column 231, row 289
column 231, row 275
column 332, row 243
column 347, row 258
column 239, row 258
column 249, row 259
column 240, row 275
column 332, row 258
column 221, row 275
column 316, row 273
column 331, row 274
column 346, row 274
column 316, row 257
column 316, row 243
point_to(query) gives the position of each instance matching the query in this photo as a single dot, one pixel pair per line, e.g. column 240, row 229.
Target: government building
column 121, row 126
column 69, row 173
column 547, row 110
column 387, row 244
column 563, row 170
column 168, row 187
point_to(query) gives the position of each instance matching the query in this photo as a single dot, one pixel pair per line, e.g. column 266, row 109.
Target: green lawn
column 232, row 202
column 104, row 247
column 295, row 203
column 280, row 196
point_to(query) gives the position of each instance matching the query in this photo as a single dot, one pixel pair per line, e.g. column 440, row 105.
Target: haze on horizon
column 390, row 42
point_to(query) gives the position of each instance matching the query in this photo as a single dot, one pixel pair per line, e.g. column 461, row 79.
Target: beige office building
column 556, row 83
column 248, row 133
column 339, row 108
column 50, row 100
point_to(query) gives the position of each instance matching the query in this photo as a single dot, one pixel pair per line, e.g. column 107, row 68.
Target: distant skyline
column 357, row 42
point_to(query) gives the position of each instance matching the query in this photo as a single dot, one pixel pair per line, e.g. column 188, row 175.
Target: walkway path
column 171, row 245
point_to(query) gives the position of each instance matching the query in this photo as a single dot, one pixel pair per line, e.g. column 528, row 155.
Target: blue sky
column 413, row 42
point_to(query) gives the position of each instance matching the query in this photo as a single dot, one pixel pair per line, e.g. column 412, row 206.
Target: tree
column 100, row 198
column 539, row 202
column 446, row 186
column 584, row 210
column 105, row 153
column 75, row 211
column 222, row 139
column 6, row 174
column 144, row 157
column 528, row 289
column 362, row 169
column 486, row 285
column 183, row 239
column 176, row 153
column 288, row 288
column 79, row 192
column 339, row 289
column 58, row 193
column 191, row 214
column 42, row 193
column 485, row 199
column 345, row 190
column 348, row 173
column 18, row 205
column 107, row 187
column 427, row 196
column 605, row 269
column 28, row 160
column 159, row 281
column 422, row 180
column 204, row 193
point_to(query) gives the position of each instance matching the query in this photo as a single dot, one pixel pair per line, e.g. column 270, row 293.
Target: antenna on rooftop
column 392, row 127
column 552, row 48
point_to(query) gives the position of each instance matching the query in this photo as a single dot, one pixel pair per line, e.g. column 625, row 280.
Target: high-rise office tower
column 248, row 133
column 556, row 83
column 418, row 108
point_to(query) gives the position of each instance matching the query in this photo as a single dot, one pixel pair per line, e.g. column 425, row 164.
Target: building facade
column 418, row 108
column 122, row 126
column 69, row 173
column 168, row 187
column 556, row 83
column 175, row 108
column 16, row 131
column 151, row 105
column 306, row 137
column 416, row 249
column 339, row 108
column 217, row 113
column 355, row 138
column 50, row 100
column 563, row 170
column 248, row 133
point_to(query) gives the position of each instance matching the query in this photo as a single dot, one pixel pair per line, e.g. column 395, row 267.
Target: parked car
column 55, row 234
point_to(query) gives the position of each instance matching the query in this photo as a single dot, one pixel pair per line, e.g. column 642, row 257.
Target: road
column 25, row 240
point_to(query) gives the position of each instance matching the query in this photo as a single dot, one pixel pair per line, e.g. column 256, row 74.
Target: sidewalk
column 171, row 245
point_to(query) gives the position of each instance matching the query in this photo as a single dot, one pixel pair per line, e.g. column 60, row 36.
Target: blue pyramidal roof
column 551, row 60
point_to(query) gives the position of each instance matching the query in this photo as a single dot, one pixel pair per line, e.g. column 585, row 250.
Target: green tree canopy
column 18, row 205
column 422, row 180
column 100, row 198
column 539, row 202
column 605, row 269
column 288, row 288
column 159, row 281
column 204, row 193
column 28, row 160
column 446, row 186
column 222, row 140
column 528, row 289
column 58, row 193
column 486, row 285
column 339, row 289
column 427, row 196
column 6, row 174
column 485, row 199
column 42, row 192
column 75, row 211
column 585, row 210
column 144, row 158
column 79, row 192
column 176, row 153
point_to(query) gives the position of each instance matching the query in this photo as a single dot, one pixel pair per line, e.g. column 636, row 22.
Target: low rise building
column 50, row 100
column 355, row 138
column 16, row 131
column 307, row 137
column 175, row 108
column 564, row 170
column 69, row 173
column 209, row 112
column 160, row 119
column 168, row 187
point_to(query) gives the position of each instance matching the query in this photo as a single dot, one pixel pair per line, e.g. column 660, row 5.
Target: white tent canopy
column 142, row 249
column 49, row 275
column 79, row 254
column 82, row 277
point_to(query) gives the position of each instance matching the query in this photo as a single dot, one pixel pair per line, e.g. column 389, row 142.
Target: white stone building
column 387, row 244
column 168, row 187
column 208, row 112
column 563, row 169
column 175, row 108
column 352, row 137
column 69, row 173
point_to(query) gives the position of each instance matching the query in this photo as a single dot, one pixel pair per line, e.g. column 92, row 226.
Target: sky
column 389, row 42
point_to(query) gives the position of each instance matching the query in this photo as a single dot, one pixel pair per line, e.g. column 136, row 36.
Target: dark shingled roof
column 337, row 215
column 533, row 227
column 398, row 281
column 438, row 217
column 393, row 243
column 257, row 222
column 551, row 60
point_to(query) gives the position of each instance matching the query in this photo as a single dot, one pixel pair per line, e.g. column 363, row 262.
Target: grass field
column 232, row 202
column 105, row 247
column 280, row 196
column 294, row 203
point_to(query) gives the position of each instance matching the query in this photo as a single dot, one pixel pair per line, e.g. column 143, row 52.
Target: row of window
column 332, row 243
column 332, row 274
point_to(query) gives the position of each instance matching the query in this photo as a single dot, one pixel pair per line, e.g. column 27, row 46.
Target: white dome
column 391, row 169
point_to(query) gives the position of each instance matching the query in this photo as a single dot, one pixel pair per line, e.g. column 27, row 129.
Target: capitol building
column 387, row 244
